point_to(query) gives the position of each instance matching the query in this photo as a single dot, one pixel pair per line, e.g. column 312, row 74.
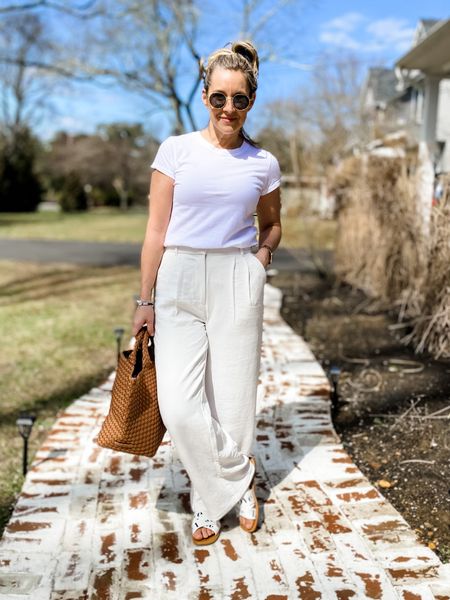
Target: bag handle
column 142, row 338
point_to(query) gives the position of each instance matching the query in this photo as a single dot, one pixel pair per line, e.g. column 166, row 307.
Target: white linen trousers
column 208, row 332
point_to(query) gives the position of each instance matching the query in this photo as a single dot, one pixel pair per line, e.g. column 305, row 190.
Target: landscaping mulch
column 393, row 411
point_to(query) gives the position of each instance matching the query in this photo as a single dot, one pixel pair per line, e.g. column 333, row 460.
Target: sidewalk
column 92, row 524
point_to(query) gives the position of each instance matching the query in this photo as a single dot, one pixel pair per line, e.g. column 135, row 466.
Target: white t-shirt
column 215, row 190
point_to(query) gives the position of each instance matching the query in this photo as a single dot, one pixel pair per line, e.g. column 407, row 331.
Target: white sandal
column 201, row 520
column 248, row 506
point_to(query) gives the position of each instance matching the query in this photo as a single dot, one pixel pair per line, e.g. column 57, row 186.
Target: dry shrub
column 379, row 246
column 356, row 225
column 431, row 329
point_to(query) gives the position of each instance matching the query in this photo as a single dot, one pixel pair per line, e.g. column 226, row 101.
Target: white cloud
column 352, row 31
column 346, row 22
column 395, row 33
column 337, row 32
column 339, row 38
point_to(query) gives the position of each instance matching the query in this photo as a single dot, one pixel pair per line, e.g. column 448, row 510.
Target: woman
column 208, row 290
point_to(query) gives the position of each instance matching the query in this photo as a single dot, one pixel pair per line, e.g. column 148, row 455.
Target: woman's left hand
column 263, row 256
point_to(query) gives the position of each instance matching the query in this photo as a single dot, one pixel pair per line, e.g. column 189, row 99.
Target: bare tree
column 83, row 10
column 331, row 102
column 322, row 119
column 152, row 47
column 284, row 130
column 143, row 46
column 146, row 46
column 272, row 24
column 23, row 91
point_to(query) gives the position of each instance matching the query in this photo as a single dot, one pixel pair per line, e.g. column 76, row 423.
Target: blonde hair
column 242, row 56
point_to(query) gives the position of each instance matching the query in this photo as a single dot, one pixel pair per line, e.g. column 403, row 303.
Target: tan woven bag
column 134, row 423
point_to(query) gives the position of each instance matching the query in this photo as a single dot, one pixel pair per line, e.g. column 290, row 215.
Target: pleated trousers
column 208, row 331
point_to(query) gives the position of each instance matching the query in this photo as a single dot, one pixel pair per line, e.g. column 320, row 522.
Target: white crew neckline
column 232, row 151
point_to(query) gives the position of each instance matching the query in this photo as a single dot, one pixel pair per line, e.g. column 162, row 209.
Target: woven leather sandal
column 248, row 506
column 200, row 520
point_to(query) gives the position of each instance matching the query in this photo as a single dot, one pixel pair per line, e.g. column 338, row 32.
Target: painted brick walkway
column 98, row 525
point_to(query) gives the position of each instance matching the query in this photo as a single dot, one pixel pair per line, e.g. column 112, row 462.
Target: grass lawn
column 57, row 342
column 99, row 225
column 308, row 232
column 111, row 225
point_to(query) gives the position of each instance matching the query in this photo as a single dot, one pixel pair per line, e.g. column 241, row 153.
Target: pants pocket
column 257, row 277
column 261, row 266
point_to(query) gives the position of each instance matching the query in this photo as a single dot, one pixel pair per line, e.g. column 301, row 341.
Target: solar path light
column 118, row 332
column 24, row 424
column 334, row 373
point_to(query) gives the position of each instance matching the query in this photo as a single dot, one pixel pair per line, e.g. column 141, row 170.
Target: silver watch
column 144, row 303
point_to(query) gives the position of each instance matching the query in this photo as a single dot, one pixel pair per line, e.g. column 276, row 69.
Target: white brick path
column 94, row 524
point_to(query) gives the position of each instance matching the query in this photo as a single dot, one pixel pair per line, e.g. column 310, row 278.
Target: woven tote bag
column 134, row 423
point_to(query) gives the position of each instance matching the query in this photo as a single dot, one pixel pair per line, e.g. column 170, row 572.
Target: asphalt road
column 106, row 254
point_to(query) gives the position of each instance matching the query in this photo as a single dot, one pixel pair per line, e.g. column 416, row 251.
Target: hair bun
column 248, row 51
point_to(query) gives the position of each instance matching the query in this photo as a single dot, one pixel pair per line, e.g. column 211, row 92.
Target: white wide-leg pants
column 208, row 331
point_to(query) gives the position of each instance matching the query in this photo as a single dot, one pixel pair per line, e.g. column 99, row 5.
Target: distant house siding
column 443, row 123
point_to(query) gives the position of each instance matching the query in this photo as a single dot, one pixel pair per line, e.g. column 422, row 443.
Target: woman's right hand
column 143, row 315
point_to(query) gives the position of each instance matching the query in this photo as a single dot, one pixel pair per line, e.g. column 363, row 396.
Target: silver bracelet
column 144, row 303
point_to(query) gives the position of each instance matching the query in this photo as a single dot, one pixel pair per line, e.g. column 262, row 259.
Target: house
column 378, row 89
column 414, row 97
column 426, row 67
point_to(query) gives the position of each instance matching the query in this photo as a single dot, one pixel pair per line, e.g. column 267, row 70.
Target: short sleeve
column 164, row 160
column 273, row 176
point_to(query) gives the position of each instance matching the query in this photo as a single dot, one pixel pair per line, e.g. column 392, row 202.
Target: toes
column 207, row 532
column 247, row 523
column 202, row 533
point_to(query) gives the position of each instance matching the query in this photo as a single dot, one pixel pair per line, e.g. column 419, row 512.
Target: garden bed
column 394, row 408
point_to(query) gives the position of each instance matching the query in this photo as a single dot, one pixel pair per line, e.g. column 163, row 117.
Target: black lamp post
column 118, row 332
column 24, row 424
column 334, row 373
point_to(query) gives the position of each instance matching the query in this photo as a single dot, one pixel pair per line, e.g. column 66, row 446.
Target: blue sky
column 378, row 33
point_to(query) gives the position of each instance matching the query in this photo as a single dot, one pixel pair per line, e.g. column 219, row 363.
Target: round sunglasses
column 218, row 100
